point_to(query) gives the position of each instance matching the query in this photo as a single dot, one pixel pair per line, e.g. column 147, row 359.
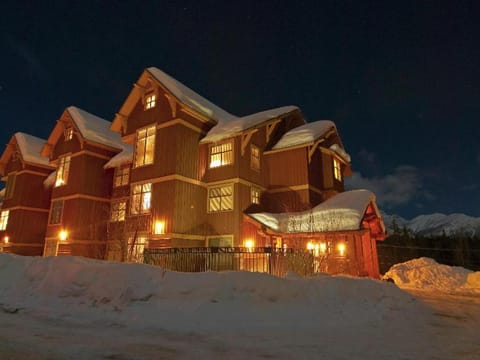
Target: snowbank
column 426, row 273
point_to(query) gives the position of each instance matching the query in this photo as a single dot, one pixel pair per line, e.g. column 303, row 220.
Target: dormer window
column 68, row 133
column 150, row 101
column 254, row 157
column 337, row 170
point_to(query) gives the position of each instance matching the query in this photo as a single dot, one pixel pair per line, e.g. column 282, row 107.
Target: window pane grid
column 141, row 199
column 145, row 146
column 220, row 198
column 56, row 212
column 337, row 171
column 62, row 171
column 221, row 155
column 118, row 211
column 255, row 157
column 121, row 176
column 4, row 219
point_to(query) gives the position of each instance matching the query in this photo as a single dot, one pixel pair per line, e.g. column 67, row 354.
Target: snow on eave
column 95, row 129
column 305, row 134
column 30, row 148
column 337, row 149
column 227, row 129
column 50, row 180
column 342, row 212
column 189, row 97
column 122, row 158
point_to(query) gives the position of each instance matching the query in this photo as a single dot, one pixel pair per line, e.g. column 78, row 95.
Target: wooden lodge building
column 173, row 170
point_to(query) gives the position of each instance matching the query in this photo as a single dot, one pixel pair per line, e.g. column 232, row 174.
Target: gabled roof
column 91, row 128
column 122, row 158
column 189, row 97
column 29, row 148
column 227, row 124
column 345, row 211
column 94, row 128
column 228, row 128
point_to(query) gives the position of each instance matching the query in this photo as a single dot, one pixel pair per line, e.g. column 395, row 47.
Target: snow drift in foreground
column 99, row 309
column 426, row 273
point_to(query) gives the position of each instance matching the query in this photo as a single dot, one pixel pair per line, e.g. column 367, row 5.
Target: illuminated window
column 136, row 246
column 337, row 170
column 68, row 133
column 149, row 101
column 4, row 219
column 254, row 157
column 220, row 198
column 117, row 211
column 62, row 171
column 121, row 176
column 221, row 154
column 255, row 195
column 141, row 199
column 56, row 212
column 10, row 186
column 145, row 146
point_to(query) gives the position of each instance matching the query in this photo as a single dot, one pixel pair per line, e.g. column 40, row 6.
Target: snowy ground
column 75, row 308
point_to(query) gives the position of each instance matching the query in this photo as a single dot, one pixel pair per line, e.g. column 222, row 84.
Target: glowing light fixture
column 341, row 249
column 249, row 244
column 310, row 245
column 63, row 235
column 159, row 227
column 6, row 239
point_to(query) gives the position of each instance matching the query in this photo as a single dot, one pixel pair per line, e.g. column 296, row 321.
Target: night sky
column 400, row 79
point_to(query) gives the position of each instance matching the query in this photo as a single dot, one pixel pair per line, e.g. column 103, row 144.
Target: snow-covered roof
column 30, row 147
column 304, row 134
column 341, row 152
column 189, row 97
column 342, row 212
column 94, row 128
column 228, row 128
column 122, row 158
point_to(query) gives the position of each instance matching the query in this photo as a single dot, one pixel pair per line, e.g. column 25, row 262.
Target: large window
column 145, row 146
column 121, row 176
column 254, row 157
column 220, row 198
column 221, row 154
column 10, row 186
column 117, row 212
column 68, row 133
column 337, row 170
column 62, row 171
column 141, row 199
column 4, row 219
column 56, row 212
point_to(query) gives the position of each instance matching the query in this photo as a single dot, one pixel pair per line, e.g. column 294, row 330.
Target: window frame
column 68, row 133
column 64, row 162
column 337, row 169
column 222, row 154
column 255, row 161
column 142, row 195
column 117, row 213
column 4, row 214
column 149, row 101
column 123, row 175
column 59, row 214
column 145, row 144
column 255, row 190
column 10, row 186
column 220, row 197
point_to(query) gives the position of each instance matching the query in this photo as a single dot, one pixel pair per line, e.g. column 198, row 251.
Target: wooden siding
column 287, row 168
column 84, row 219
column 26, row 226
column 287, row 201
column 29, row 191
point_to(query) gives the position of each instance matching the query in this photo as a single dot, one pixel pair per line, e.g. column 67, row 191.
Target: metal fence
column 269, row 260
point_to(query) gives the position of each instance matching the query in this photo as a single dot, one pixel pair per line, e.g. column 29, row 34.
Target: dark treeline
column 402, row 245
